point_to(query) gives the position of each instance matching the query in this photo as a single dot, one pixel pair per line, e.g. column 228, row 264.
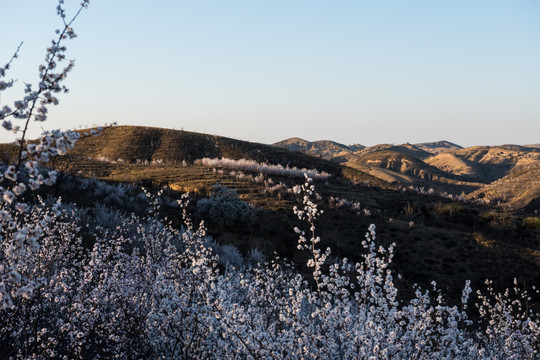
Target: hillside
column 482, row 163
column 453, row 164
column 133, row 144
column 520, row 188
column 249, row 219
column 456, row 171
column 436, row 238
column 408, row 165
column 399, row 159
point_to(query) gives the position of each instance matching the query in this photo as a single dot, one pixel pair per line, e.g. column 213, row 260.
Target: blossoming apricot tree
column 20, row 239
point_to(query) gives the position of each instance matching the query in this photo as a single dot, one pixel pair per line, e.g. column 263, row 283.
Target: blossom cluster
column 442, row 194
column 145, row 289
column 354, row 206
column 253, row 166
column 25, row 173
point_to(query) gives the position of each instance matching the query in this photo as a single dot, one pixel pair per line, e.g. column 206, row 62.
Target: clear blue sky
column 351, row 71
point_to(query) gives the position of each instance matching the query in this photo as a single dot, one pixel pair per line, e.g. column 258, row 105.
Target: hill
column 494, row 162
column 133, row 143
column 407, row 165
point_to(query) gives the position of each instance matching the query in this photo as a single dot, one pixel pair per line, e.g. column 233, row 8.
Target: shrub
column 531, row 222
column 451, row 209
column 224, row 207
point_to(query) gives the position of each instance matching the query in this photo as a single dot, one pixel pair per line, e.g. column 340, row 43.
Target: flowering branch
column 310, row 213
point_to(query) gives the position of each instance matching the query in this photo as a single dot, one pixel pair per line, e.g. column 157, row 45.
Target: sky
column 364, row 72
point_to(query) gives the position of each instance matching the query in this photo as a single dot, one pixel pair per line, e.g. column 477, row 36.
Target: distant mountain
column 513, row 147
column 325, row 149
column 411, row 150
column 376, row 148
column 442, row 165
column 438, row 146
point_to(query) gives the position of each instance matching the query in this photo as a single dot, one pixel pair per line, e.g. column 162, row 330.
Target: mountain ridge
column 442, row 165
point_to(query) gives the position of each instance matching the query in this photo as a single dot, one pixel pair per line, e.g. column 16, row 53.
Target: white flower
column 9, row 197
column 22, row 207
column 19, row 189
column 11, row 173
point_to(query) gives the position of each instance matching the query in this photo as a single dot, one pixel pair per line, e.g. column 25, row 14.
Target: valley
column 449, row 210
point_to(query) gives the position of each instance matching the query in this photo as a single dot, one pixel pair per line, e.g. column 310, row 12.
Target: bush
column 531, row 222
column 451, row 209
column 224, row 207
